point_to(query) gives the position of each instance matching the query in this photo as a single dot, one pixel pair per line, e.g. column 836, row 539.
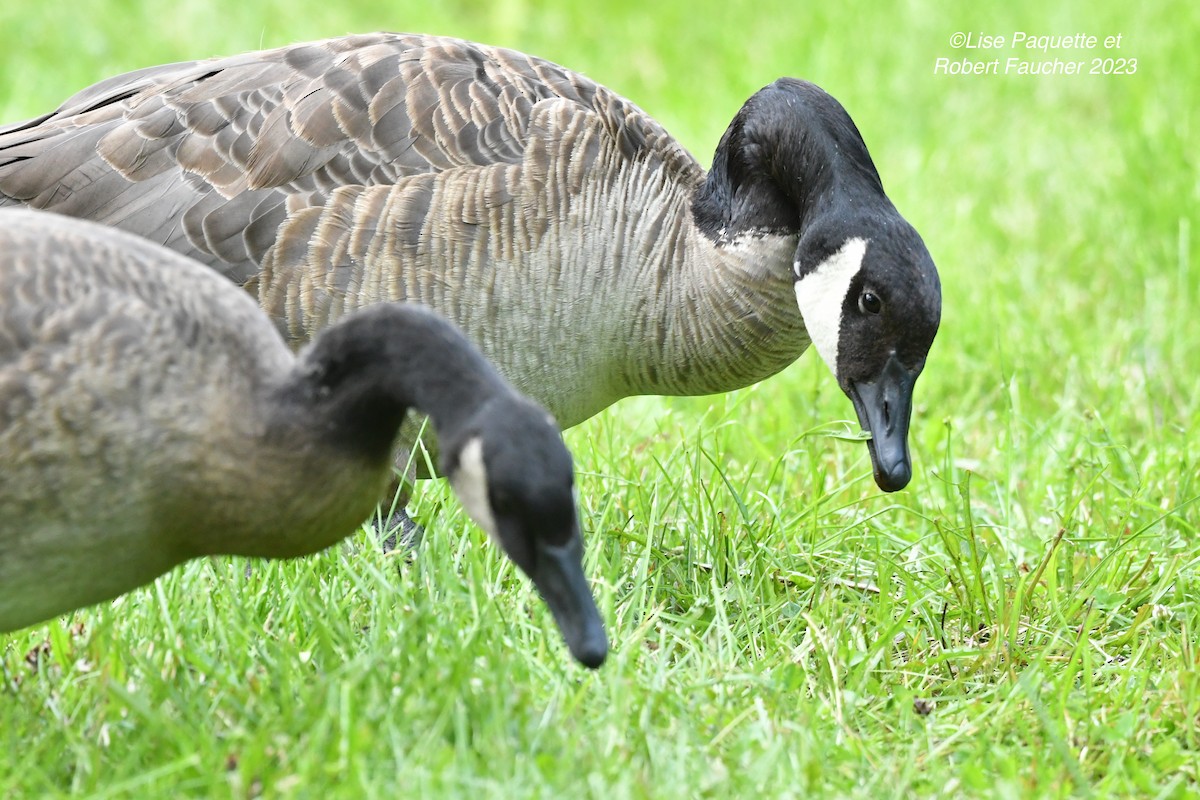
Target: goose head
column 871, row 302
column 503, row 453
column 513, row 475
column 793, row 163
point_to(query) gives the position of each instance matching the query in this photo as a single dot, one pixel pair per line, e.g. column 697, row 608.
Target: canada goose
column 580, row 246
column 150, row 414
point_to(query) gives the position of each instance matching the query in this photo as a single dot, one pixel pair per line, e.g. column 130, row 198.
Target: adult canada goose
column 580, row 246
column 150, row 413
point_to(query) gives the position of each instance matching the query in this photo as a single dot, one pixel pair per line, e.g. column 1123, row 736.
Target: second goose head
column 502, row 453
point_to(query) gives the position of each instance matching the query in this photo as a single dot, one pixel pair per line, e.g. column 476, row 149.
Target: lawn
column 1020, row 621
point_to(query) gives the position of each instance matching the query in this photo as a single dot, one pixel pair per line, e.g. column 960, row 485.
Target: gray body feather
column 134, row 418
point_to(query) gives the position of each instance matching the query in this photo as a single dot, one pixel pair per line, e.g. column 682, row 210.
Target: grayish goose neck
column 709, row 315
column 362, row 376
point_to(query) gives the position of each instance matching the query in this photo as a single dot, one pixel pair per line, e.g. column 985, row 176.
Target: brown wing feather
column 211, row 157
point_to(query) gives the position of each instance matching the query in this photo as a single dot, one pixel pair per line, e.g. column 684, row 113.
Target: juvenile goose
column 581, row 247
column 150, row 414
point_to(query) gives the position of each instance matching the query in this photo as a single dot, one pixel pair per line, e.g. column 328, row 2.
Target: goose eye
column 869, row 303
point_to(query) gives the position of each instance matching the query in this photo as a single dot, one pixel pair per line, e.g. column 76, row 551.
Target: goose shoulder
column 115, row 354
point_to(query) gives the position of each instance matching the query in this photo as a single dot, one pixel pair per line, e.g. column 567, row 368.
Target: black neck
column 790, row 155
column 359, row 378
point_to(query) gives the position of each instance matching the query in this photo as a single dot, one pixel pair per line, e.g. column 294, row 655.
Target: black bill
column 558, row 575
column 884, row 407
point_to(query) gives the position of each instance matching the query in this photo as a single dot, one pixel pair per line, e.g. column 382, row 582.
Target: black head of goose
column 150, row 413
column 793, row 162
column 581, row 247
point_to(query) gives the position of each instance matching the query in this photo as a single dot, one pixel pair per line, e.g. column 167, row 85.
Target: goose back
column 197, row 151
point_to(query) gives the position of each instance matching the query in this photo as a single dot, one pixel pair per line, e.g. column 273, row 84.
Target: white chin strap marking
column 470, row 483
column 821, row 293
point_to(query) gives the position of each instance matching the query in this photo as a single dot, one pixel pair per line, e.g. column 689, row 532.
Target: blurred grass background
column 1021, row 621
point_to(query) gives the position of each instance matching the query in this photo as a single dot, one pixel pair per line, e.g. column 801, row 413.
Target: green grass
column 1021, row 621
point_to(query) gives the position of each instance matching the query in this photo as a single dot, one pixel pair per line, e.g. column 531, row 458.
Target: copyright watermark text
column 1026, row 54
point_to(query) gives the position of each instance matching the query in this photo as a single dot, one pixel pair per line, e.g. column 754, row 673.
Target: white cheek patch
column 470, row 483
column 821, row 294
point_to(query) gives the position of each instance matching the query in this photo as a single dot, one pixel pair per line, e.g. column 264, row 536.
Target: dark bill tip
column 884, row 407
column 892, row 471
column 558, row 576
